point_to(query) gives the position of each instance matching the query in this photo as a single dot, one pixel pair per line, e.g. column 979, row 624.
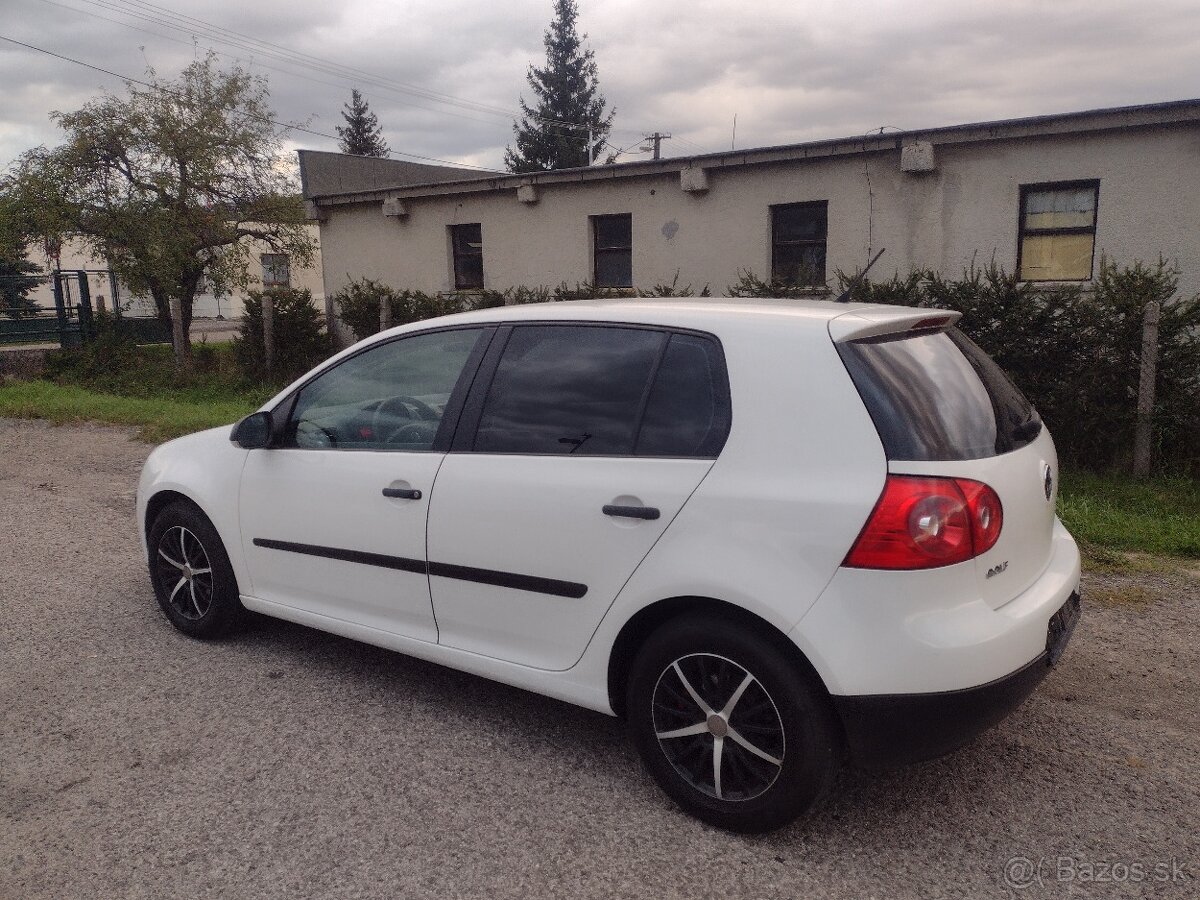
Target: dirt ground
column 283, row 762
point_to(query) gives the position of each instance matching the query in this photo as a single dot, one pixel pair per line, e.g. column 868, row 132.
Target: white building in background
column 267, row 269
column 1043, row 196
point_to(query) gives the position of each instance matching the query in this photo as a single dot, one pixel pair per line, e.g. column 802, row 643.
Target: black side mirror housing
column 254, row 432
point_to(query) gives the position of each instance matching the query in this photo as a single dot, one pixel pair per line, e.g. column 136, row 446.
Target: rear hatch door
column 943, row 407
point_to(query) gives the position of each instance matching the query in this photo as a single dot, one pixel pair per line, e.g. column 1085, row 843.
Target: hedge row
column 1076, row 354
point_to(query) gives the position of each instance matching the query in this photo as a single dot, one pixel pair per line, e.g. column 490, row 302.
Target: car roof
column 688, row 312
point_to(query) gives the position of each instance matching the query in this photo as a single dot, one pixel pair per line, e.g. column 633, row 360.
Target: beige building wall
column 74, row 256
column 965, row 210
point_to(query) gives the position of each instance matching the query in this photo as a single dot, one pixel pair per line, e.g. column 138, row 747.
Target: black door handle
column 402, row 493
column 632, row 512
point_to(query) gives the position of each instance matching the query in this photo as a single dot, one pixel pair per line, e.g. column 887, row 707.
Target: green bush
column 300, row 339
column 1076, row 354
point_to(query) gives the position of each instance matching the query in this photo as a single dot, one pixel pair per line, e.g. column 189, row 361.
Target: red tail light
column 922, row 522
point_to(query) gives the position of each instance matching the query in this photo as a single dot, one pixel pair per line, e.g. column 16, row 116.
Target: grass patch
column 1114, row 516
column 157, row 419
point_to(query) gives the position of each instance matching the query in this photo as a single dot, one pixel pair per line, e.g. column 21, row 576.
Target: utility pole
column 658, row 138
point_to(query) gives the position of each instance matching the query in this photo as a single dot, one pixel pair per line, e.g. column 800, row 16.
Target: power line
column 284, row 125
column 151, row 12
column 191, row 25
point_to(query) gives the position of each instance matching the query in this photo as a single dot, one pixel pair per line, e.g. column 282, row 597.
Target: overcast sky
column 444, row 75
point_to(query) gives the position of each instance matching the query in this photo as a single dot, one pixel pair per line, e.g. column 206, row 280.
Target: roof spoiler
column 884, row 320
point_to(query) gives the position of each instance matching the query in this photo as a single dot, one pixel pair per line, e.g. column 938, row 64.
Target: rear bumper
column 885, row 730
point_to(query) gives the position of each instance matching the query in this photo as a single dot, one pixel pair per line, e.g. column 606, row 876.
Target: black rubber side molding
column 533, row 583
column 632, row 512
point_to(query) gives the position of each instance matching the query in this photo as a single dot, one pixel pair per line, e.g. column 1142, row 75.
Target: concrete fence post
column 177, row 335
column 268, row 320
column 1145, row 403
column 385, row 314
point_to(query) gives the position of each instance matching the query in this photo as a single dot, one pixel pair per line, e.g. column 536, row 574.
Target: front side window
column 276, row 270
column 798, row 237
column 1058, row 231
column 467, row 244
column 390, row 397
column 612, row 251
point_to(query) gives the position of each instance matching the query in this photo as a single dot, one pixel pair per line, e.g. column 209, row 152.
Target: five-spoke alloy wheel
column 192, row 577
column 728, row 723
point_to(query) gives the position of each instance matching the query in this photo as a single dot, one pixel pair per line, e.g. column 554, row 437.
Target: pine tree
column 361, row 135
column 567, row 92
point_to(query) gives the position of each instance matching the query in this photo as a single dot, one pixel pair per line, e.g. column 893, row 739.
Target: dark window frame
column 823, row 242
column 598, row 250
column 1023, row 232
column 274, row 283
column 472, row 412
column 462, row 281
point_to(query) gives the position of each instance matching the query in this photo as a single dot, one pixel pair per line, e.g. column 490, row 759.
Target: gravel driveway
column 283, row 762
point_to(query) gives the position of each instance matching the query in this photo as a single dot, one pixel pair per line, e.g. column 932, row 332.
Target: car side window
column 569, row 389
column 390, row 397
column 688, row 410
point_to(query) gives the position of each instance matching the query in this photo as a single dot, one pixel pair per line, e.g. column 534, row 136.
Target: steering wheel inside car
column 407, row 406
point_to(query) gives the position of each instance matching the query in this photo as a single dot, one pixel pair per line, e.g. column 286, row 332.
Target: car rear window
column 937, row 396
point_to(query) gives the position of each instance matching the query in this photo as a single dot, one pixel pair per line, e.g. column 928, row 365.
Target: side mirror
column 254, row 432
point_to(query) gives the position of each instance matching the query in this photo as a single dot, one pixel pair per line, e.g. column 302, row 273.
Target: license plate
column 1062, row 623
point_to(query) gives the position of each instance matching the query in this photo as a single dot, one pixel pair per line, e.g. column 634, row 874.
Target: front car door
column 333, row 518
column 579, row 445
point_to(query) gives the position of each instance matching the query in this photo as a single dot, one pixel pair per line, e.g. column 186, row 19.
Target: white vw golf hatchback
column 773, row 535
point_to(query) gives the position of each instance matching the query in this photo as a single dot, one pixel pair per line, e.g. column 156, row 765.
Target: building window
column 467, row 244
column 798, row 235
column 1058, row 231
column 612, row 238
column 276, row 270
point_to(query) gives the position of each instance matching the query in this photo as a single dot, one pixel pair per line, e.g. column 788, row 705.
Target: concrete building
column 1044, row 196
column 266, row 268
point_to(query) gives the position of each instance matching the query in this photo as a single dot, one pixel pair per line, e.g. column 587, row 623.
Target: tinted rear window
column 569, row 389
column 939, row 397
column 688, row 410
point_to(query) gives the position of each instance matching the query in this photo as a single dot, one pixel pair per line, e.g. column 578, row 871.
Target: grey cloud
column 790, row 71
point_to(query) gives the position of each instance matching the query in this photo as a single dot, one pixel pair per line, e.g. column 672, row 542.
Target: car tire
column 190, row 570
column 729, row 725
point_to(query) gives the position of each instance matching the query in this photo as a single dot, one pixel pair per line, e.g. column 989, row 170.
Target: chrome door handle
column 402, row 493
column 632, row 512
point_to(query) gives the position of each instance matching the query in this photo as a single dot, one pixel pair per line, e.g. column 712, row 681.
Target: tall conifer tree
column 567, row 125
column 361, row 135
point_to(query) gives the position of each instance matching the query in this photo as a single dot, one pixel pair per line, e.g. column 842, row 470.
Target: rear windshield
column 937, row 396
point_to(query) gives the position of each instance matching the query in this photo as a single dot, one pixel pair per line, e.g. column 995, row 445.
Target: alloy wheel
column 718, row 727
column 184, row 572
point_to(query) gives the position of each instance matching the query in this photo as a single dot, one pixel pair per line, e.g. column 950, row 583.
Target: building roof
column 333, row 178
column 323, row 174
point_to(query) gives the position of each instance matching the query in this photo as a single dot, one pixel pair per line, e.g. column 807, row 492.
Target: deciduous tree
column 171, row 183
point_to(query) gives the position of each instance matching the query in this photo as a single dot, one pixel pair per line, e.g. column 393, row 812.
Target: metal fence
column 58, row 309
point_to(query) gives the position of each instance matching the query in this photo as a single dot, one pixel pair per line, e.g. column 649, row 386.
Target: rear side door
column 579, row 444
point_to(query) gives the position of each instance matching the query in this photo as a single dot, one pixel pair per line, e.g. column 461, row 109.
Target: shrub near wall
column 1077, row 354
column 300, row 339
